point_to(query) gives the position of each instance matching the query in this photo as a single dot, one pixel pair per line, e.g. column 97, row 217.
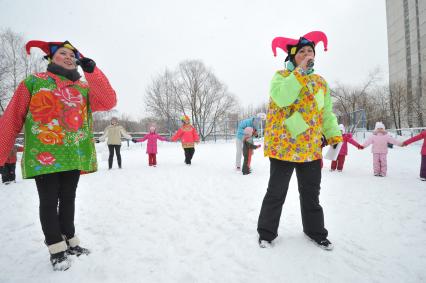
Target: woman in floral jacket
column 300, row 112
column 55, row 108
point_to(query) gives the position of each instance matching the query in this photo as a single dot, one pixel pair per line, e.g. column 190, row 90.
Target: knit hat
column 50, row 48
column 151, row 129
column 248, row 131
column 291, row 46
column 184, row 118
column 342, row 127
column 379, row 125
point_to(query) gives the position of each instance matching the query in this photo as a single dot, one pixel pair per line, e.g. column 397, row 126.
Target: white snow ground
column 176, row 223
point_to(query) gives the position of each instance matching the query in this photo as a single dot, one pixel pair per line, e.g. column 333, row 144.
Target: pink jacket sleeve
column 161, row 138
column 12, row 120
column 418, row 137
column 101, row 95
column 144, row 138
column 353, row 142
column 368, row 141
column 393, row 141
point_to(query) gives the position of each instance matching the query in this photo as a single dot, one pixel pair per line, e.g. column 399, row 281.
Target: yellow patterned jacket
column 300, row 112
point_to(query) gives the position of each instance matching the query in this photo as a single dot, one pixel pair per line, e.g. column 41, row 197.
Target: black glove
column 87, row 64
column 323, row 141
column 97, row 141
column 335, row 146
column 134, row 140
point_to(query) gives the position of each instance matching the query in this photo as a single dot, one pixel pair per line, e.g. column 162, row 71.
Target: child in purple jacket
column 151, row 148
column 380, row 140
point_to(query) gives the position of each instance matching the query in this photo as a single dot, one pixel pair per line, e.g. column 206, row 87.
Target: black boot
column 58, row 257
column 60, row 261
column 77, row 250
column 74, row 247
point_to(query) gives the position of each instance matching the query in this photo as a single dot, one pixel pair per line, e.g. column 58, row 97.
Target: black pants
column 309, row 180
column 8, row 174
column 57, row 221
column 189, row 153
column 111, row 148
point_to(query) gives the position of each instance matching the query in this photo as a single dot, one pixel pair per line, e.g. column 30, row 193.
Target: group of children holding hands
column 188, row 135
column 380, row 141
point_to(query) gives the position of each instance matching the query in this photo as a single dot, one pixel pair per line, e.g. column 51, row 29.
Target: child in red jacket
column 188, row 136
column 347, row 138
column 8, row 170
column 420, row 136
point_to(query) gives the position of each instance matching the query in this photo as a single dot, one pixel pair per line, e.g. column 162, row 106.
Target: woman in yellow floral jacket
column 300, row 112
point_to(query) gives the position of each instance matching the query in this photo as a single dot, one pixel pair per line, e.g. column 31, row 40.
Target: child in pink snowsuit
column 151, row 147
column 420, row 136
column 347, row 138
column 380, row 140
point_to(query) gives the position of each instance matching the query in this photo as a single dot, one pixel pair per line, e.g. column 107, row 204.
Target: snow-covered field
column 178, row 223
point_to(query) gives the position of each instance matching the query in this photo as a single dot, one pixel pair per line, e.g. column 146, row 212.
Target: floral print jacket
column 57, row 118
column 300, row 112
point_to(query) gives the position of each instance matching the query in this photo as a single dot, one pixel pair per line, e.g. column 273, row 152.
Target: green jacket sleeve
column 330, row 127
column 284, row 90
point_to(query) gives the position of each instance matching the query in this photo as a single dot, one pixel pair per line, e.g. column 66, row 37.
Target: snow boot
column 324, row 244
column 60, row 261
column 74, row 247
column 58, row 257
column 264, row 244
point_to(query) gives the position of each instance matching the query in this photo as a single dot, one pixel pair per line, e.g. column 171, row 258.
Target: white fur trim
column 57, row 248
column 74, row 241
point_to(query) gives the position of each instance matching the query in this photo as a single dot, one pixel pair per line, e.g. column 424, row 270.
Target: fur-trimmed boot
column 59, row 257
column 74, row 247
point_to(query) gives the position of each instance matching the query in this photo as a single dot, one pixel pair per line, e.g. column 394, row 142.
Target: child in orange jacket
column 188, row 136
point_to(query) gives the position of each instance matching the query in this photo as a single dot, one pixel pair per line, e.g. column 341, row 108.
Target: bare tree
column 348, row 100
column 15, row 65
column 161, row 99
column 397, row 95
column 192, row 90
column 207, row 99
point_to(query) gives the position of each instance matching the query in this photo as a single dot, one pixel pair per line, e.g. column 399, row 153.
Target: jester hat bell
column 291, row 46
column 50, row 48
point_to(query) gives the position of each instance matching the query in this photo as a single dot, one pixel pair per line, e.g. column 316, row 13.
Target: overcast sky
column 133, row 41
